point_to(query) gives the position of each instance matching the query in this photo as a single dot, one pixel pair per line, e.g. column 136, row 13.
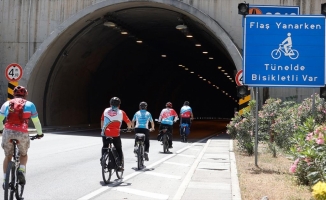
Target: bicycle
column 292, row 53
column 165, row 139
column 140, row 145
column 110, row 161
column 11, row 185
column 184, row 131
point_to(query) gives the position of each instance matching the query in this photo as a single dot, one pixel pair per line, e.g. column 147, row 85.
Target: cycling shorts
column 23, row 143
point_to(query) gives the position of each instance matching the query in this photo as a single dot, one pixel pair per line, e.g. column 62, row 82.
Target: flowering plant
column 319, row 191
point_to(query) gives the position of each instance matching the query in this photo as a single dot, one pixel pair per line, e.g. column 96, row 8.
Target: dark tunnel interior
column 148, row 71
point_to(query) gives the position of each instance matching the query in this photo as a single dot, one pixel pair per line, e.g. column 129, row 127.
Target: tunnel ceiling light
column 183, row 66
column 189, row 35
column 222, row 70
column 181, row 27
column 164, row 56
column 211, row 58
column 197, row 45
column 209, row 82
column 205, row 52
column 219, row 67
column 213, row 85
column 226, row 73
column 124, row 32
column 186, row 69
column 204, row 79
column 226, row 93
column 180, row 65
column 200, row 77
column 109, row 24
column 139, row 41
column 228, row 76
column 217, row 87
column 192, row 72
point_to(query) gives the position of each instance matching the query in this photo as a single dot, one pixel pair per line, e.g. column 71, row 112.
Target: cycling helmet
column 20, row 91
column 186, row 103
column 143, row 105
column 168, row 105
column 115, row 101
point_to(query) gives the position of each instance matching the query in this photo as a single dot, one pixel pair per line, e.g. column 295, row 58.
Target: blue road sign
column 274, row 10
column 284, row 50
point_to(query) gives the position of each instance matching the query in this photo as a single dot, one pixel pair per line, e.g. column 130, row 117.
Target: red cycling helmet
column 20, row 91
column 168, row 105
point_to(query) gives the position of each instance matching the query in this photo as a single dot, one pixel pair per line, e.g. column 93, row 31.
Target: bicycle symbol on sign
column 286, row 48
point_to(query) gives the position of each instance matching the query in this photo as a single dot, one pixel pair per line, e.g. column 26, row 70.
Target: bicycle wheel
column 10, row 181
column 276, row 54
column 140, row 157
column 120, row 173
column 165, row 144
column 106, row 172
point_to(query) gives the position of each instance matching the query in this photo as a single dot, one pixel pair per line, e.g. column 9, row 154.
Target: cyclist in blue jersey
column 168, row 116
column 186, row 114
column 142, row 117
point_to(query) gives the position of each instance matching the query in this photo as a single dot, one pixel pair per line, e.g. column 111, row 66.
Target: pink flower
column 296, row 161
column 309, row 136
column 293, row 168
column 320, row 141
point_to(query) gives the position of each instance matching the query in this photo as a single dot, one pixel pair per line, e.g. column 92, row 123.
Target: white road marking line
column 182, row 188
column 102, row 189
column 142, row 193
column 185, row 155
column 174, row 163
column 163, row 175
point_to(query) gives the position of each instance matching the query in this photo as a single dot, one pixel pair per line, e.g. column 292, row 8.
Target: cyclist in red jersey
column 167, row 117
column 16, row 127
column 111, row 121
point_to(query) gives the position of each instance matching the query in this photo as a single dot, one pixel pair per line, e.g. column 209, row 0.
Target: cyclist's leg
column 23, row 145
column 105, row 142
column 8, row 149
column 146, row 143
column 118, row 146
column 170, row 129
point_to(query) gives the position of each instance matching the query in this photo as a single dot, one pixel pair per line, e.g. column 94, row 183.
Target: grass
column 271, row 177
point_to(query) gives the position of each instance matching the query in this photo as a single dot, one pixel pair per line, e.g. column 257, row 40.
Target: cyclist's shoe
column 21, row 177
column 146, row 156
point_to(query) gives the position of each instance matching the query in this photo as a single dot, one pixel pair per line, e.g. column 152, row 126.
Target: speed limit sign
column 14, row 72
column 238, row 78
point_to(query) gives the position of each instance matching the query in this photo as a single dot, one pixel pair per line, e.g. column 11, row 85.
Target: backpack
column 15, row 111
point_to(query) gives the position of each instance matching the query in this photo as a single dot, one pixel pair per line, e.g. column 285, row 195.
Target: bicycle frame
column 11, row 184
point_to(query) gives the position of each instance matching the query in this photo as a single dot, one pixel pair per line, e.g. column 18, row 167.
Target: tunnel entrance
column 137, row 52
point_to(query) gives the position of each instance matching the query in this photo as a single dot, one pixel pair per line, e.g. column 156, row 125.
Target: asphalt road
column 65, row 165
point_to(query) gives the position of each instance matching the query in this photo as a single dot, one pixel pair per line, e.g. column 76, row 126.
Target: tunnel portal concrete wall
column 32, row 34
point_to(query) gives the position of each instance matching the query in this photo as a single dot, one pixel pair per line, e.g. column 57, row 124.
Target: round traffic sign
column 14, row 72
column 238, row 78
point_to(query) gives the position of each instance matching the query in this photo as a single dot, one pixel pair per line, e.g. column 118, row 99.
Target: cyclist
column 142, row 117
column 111, row 121
column 17, row 112
column 186, row 114
column 168, row 116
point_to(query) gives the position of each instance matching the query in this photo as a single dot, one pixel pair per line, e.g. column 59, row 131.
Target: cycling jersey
column 185, row 111
column 28, row 112
column 112, row 120
column 142, row 117
column 167, row 116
